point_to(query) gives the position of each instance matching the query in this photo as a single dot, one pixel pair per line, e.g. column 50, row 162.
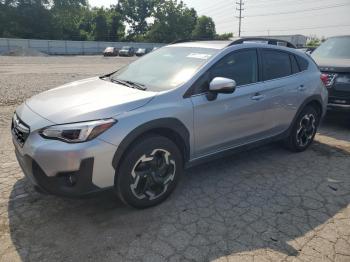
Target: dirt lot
column 263, row 205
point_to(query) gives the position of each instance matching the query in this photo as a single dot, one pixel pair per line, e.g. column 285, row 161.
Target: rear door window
column 276, row 64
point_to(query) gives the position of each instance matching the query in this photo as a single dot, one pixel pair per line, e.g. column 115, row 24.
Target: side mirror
column 220, row 85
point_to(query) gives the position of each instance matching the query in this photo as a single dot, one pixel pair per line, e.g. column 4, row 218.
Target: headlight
column 77, row 132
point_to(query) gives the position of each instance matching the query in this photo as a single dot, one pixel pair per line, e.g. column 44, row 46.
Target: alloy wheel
column 306, row 130
column 152, row 174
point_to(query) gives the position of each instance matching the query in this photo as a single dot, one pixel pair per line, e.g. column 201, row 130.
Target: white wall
column 61, row 47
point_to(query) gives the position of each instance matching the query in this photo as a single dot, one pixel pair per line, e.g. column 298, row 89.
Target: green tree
column 66, row 15
column 225, row 36
column 28, row 19
column 116, row 27
column 148, row 20
column 100, row 30
column 204, row 29
column 3, row 17
column 172, row 21
column 86, row 24
column 136, row 13
column 69, row 4
column 313, row 41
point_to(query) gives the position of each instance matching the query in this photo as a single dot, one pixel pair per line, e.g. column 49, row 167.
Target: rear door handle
column 258, row 97
column 301, row 88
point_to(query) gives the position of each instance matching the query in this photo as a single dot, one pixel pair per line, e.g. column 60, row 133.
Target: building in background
column 297, row 40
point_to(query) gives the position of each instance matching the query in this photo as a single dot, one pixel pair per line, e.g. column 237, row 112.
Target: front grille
column 20, row 130
column 339, row 94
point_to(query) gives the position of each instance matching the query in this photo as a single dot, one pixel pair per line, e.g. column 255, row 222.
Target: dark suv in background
column 127, row 51
column 333, row 59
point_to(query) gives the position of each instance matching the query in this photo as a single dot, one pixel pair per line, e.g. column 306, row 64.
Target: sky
column 320, row 17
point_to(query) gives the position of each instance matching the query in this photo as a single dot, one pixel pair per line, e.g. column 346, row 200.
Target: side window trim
column 193, row 91
column 260, row 65
column 298, row 63
column 293, row 60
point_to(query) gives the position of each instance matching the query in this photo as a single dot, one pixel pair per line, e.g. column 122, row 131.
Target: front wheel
column 149, row 172
column 304, row 130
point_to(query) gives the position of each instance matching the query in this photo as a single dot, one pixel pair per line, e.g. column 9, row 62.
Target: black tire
column 144, row 171
column 300, row 137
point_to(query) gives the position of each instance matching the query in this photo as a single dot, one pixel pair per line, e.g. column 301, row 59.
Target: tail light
column 328, row 78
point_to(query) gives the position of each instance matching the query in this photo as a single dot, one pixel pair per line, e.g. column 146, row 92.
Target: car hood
column 333, row 65
column 87, row 99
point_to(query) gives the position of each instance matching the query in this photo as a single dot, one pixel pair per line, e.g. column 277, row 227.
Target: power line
column 285, row 3
column 240, row 9
column 300, row 28
column 217, row 6
column 300, row 11
column 220, row 7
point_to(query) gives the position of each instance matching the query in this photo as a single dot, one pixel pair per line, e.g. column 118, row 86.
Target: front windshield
column 166, row 68
column 337, row 47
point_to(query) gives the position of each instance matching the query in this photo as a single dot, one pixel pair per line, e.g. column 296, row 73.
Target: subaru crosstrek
column 135, row 130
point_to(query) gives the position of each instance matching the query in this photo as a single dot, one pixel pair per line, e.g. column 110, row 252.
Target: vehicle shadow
column 336, row 125
column 267, row 198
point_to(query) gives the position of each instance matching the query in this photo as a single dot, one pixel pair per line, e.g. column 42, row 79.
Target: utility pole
column 240, row 9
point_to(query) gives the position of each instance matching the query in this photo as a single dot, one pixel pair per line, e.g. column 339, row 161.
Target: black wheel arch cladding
column 315, row 101
column 175, row 129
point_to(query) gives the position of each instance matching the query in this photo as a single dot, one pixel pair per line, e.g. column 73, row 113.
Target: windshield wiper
column 129, row 84
column 137, row 85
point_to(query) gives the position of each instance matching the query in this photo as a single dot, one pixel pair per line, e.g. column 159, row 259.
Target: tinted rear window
column 275, row 64
column 303, row 63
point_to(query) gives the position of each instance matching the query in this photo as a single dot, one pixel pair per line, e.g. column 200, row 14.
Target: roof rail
column 190, row 40
column 270, row 41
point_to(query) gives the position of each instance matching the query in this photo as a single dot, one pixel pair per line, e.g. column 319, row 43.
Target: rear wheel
column 304, row 130
column 149, row 172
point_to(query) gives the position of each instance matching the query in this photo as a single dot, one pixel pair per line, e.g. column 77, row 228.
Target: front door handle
column 258, row 97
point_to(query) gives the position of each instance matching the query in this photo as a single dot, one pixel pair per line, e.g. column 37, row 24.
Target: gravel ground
column 263, row 205
column 23, row 77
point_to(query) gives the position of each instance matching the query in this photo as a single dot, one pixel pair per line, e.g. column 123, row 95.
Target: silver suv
column 135, row 130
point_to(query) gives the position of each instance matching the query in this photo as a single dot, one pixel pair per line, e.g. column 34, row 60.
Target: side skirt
column 235, row 150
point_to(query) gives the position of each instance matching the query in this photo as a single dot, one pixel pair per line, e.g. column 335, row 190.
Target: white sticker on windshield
column 199, row 56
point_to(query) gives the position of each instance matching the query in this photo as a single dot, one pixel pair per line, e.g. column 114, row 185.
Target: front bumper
column 72, row 172
column 335, row 105
column 60, row 168
column 69, row 184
